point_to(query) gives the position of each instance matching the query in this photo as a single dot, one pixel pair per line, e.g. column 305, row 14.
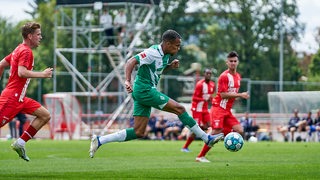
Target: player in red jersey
column 13, row 99
column 202, row 94
column 222, row 119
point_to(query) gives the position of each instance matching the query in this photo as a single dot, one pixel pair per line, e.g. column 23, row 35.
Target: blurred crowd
column 299, row 129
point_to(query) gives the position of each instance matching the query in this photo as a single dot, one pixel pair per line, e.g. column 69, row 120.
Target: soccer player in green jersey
column 152, row 62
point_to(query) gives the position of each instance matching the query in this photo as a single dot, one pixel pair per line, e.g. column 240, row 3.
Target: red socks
column 188, row 142
column 28, row 133
column 204, row 151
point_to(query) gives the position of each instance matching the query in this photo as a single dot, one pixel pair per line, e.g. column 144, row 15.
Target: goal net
column 65, row 113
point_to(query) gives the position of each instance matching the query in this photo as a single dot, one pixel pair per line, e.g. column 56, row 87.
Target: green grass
column 160, row 160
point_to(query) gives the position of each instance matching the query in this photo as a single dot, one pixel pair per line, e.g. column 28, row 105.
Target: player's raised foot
column 185, row 150
column 202, row 159
column 213, row 139
column 20, row 150
column 94, row 145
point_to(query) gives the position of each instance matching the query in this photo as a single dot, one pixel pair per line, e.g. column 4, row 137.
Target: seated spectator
column 249, row 126
column 173, row 129
column 161, row 125
column 315, row 127
column 307, row 122
column 131, row 122
column 185, row 133
column 151, row 127
column 294, row 124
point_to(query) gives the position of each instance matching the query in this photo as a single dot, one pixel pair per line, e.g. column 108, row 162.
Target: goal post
column 66, row 115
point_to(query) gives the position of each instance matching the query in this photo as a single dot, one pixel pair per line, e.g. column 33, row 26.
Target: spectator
column 249, row 126
column 294, row 124
column 120, row 22
column 185, row 133
column 306, row 123
column 315, row 127
column 21, row 118
column 131, row 122
column 106, row 23
column 317, row 124
column 13, row 129
column 151, row 127
column 317, row 119
column 173, row 129
column 161, row 125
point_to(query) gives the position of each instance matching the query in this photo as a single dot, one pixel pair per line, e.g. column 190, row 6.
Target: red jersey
column 227, row 83
column 202, row 89
column 17, row 86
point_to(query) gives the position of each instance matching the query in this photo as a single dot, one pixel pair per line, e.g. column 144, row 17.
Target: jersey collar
column 160, row 50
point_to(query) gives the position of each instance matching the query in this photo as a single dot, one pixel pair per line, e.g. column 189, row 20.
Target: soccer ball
column 233, row 141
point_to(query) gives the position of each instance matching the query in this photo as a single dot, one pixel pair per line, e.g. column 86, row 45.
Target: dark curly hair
column 170, row 35
column 232, row 54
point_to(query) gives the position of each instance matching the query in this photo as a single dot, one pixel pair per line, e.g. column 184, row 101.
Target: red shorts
column 222, row 119
column 202, row 118
column 10, row 107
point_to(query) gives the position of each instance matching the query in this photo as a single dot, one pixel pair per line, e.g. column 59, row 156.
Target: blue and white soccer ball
column 233, row 141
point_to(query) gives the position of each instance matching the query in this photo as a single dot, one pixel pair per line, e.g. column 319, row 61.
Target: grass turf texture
column 160, row 160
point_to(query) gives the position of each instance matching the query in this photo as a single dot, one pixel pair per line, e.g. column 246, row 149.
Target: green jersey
column 151, row 61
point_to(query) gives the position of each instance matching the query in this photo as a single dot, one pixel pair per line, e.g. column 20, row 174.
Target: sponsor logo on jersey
column 143, row 55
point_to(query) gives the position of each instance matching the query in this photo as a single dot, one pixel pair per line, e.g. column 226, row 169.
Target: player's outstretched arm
column 228, row 95
column 25, row 73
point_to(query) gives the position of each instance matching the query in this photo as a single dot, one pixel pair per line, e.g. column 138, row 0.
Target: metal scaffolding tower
column 78, row 19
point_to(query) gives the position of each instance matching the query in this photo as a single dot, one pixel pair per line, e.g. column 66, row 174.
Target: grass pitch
column 160, row 160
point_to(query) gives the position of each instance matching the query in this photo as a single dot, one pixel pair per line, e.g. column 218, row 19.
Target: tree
column 314, row 67
column 9, row 38
column 253, row 29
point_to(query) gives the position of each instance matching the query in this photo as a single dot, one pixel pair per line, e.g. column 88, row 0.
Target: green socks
column 187, row 120
column 130, row 134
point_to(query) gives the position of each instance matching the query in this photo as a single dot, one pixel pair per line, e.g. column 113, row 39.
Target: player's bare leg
column 42, row 118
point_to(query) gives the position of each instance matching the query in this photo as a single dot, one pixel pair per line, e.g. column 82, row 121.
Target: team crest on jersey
column 216, row 122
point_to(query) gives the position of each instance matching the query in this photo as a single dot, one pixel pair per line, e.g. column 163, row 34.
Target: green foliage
column 160, row 160
column 254, row 35
column 10, row 37
column 315, row 65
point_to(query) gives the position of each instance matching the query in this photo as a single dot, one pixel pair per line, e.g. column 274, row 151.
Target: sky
column 309, row 14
